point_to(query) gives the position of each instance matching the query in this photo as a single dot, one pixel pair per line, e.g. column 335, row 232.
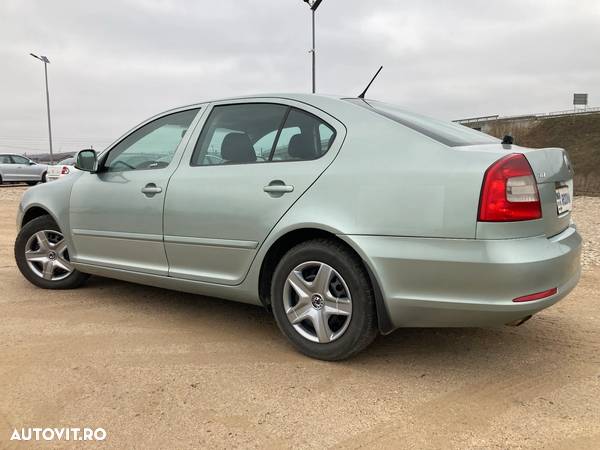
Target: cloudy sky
column 116, row 62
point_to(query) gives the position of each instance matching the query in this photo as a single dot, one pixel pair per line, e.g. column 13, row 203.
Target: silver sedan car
column 17, row 168
column 345, row 217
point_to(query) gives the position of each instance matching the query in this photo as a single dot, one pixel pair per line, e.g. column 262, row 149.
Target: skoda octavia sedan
column 345, row 217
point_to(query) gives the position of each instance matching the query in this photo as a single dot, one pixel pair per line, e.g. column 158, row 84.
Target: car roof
column 304, row 98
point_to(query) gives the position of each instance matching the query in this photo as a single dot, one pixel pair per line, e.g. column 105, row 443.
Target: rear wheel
column 43, row 257
column 322, row 300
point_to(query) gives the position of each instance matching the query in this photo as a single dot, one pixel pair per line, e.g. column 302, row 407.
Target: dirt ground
column 160, row 369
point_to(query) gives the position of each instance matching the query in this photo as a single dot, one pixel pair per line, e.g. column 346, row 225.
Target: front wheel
column 323, row 301
column 43, row 257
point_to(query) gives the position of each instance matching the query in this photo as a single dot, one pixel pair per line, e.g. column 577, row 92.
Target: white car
column 61, row 168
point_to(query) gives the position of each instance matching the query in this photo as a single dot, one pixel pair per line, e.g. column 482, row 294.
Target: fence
column 568, row 112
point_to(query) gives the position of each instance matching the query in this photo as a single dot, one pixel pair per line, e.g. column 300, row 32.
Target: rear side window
column 303, row 137
column 5, row 159
column 447, row 133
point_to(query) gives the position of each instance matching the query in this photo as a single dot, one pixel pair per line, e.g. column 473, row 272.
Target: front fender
column 54, row 199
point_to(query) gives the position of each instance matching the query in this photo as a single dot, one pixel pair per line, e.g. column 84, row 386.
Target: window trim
column 278, row 134
column 269, row 161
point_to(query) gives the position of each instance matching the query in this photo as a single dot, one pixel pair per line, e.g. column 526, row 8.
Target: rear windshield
column 447, row 133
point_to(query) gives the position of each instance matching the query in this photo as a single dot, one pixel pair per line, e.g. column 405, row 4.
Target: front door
column 116, row 214
column 23, row 170
column 251, row 162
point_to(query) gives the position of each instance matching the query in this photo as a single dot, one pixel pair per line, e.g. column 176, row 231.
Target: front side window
column 19, row 160
column 151, row 146
column 261, row 132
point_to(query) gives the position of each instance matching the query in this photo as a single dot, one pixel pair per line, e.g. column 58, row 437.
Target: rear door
column 249, row 164
column 6, row 168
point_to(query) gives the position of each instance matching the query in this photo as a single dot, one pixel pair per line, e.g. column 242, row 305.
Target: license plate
column 564, row 197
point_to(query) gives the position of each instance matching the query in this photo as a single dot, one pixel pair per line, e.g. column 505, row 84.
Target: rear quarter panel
column 391, row 180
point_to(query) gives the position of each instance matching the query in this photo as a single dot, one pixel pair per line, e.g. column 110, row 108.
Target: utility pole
column 313, row 4
column 46, row 61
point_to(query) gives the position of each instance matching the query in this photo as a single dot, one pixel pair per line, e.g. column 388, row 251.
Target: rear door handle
column 281, row 189
column 278, row 187
column 151, row 189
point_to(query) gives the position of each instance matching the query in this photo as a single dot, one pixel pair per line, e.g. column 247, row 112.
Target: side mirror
column 32, row 163
column 87, row 160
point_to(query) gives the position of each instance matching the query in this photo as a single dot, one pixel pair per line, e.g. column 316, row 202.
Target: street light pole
column 314, row 4
column 314, row 56
column 46, row 61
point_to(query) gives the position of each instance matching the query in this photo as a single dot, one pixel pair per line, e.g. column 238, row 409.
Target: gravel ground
column 161, row 369
column 586, row 212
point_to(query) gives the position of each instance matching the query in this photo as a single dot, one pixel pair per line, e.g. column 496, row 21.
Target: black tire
column 1, row 180
column 43, row 177
column 362, row 328
column 75, row 279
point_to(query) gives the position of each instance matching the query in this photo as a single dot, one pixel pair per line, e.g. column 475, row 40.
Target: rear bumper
column 461, row 282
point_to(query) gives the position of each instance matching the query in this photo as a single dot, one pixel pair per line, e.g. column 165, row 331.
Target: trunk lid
column 54, row 171
column 554, row 175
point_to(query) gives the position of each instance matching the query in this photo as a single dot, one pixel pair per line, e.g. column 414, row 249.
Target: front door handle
column 151, row 189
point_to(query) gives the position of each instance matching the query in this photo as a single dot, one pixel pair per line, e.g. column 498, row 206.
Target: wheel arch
column 294, row 237
column 34, row 212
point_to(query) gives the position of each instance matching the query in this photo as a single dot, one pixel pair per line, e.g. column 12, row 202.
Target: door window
column 5, row 159
column 239, row 134
column 260, row 132
column 303, row 137
column 151, row 146
column 19, row 160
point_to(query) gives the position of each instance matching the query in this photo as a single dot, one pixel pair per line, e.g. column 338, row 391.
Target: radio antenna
column 370, row 83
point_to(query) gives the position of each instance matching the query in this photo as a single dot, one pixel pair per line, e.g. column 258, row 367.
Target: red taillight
column 64, row 171
column 509, row 192
column 536, row 296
